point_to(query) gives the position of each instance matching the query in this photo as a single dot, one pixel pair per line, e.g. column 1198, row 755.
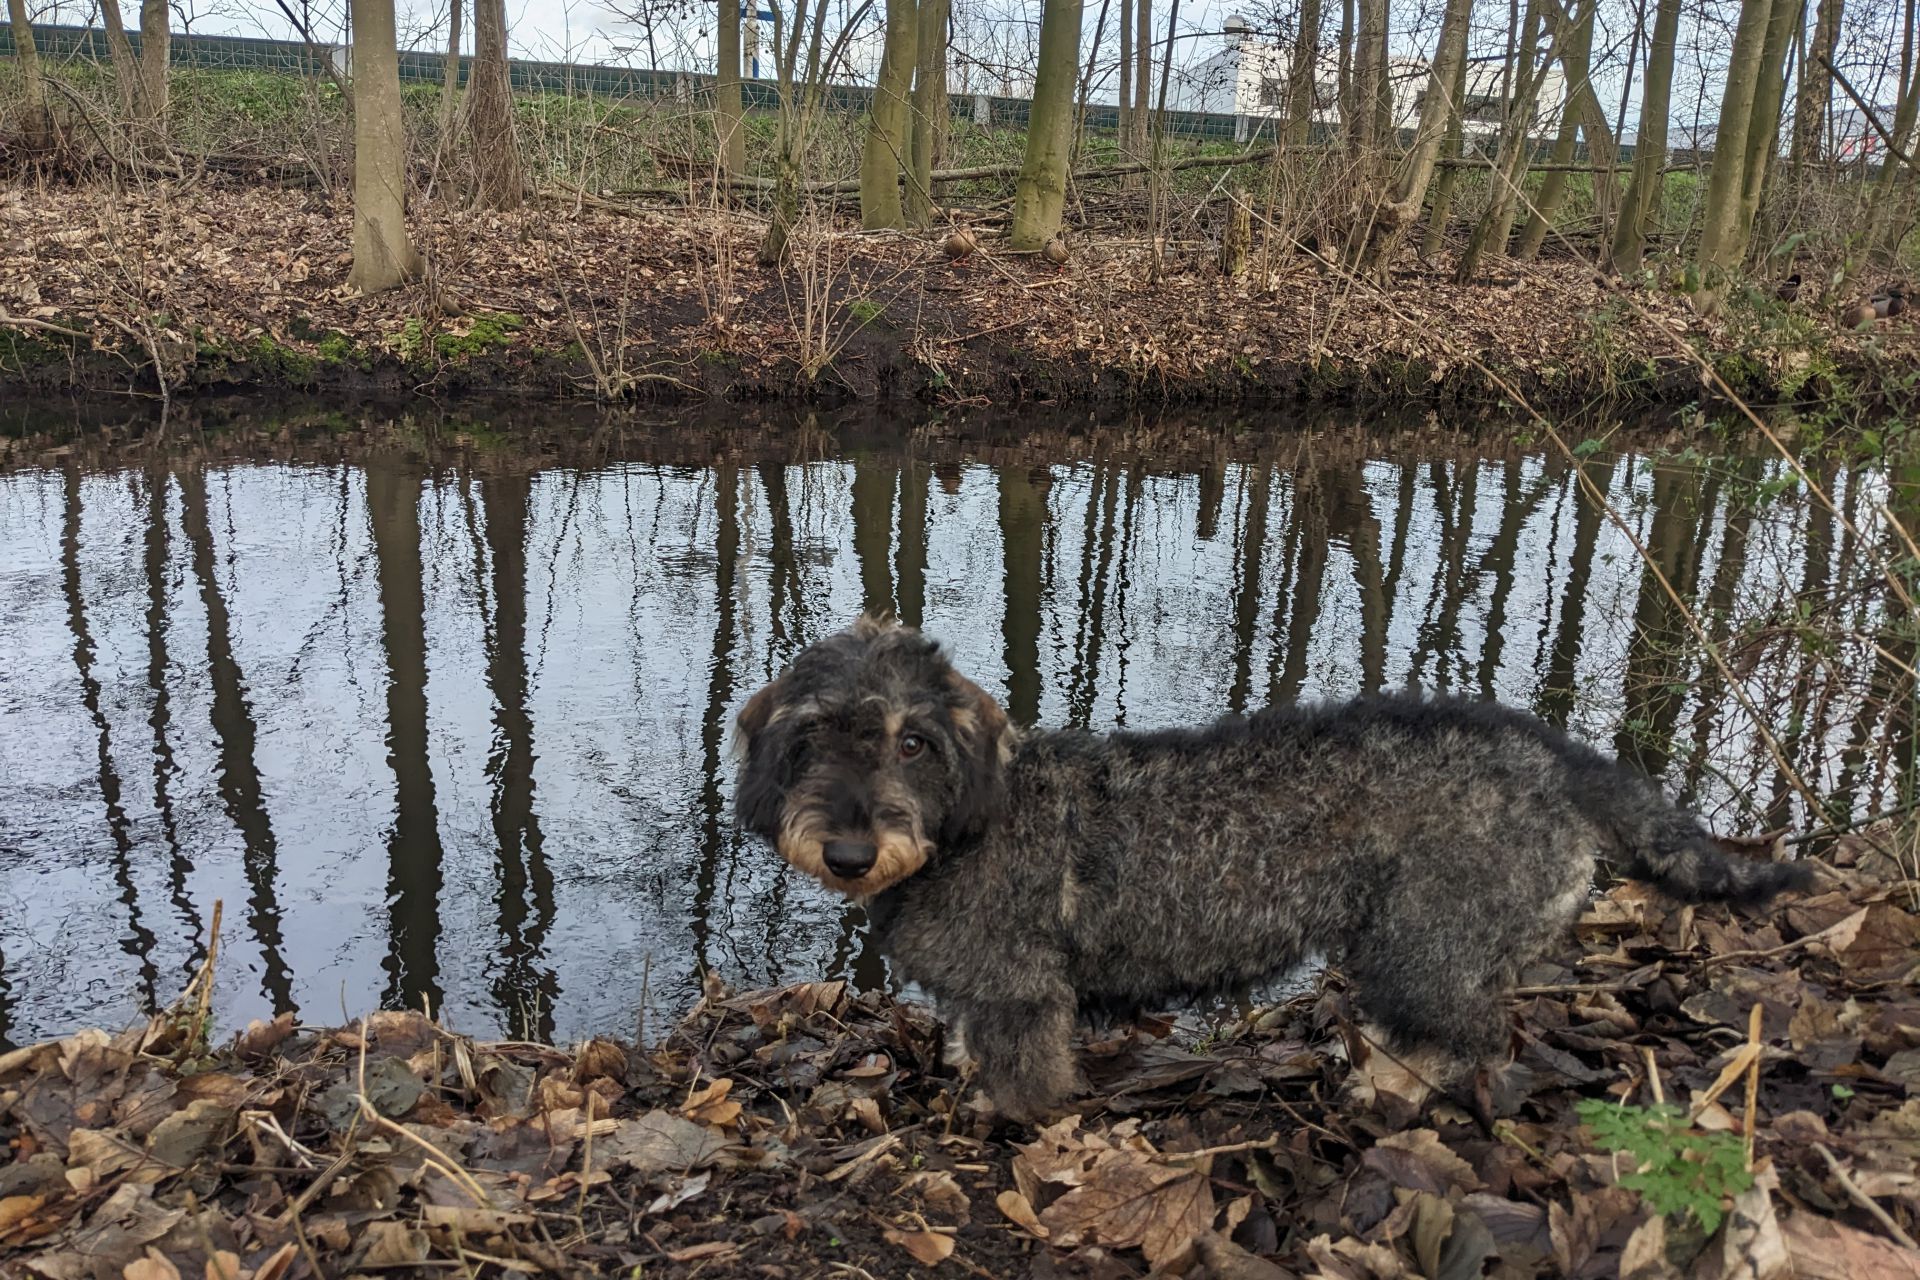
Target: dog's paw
column 1410, row 1076
column 954, row 1052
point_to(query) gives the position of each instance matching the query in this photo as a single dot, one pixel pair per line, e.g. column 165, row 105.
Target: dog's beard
column 803, row 839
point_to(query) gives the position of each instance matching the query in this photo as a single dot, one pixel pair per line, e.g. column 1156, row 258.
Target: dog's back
column 1434, row 844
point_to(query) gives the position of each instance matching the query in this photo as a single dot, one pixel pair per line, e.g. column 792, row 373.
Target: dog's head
column 869, row 757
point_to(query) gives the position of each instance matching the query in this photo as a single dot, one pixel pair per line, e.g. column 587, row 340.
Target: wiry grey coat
column 1429, row 847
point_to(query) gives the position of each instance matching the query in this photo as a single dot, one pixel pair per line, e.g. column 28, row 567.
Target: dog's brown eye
column 911, row 745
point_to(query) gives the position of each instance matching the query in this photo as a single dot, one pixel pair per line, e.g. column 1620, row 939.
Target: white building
column 1248, row 78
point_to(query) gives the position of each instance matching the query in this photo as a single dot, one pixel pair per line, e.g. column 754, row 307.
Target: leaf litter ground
column 1693, row 1093
column 219, row 285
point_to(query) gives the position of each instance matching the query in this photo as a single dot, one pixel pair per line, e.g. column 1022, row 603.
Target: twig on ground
column 1861, row 1198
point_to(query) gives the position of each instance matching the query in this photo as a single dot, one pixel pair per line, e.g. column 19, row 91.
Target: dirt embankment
column 209, row 288
column 1693, row 1094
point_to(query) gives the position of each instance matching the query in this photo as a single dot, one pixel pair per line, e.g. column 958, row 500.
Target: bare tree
column 36, row 123
column 931, row 115
column 383, row 255
column 1040, row 196
column 1889, row 208
column 1576, row 58
column 1451, row 148
column 1383, row 230
column 881, row 159
column 156, row 49
column 1302, row 77
column 449, row 74
column 802, row 98
column 1642, row 200
column 731, row 145
column 1510, row 166
column 1816, row 84
column 500, row 181
column 1724, row 228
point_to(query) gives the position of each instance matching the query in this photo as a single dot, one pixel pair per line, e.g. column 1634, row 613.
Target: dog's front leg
column 1024, row 1050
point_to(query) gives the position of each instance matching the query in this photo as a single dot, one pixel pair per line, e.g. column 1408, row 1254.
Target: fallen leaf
column 154, row 1266
column 929, row 1248
column 1417, row 1160
column 1824, row 1250
column 657, row 1142
column 1016, row 1209
column 15, row 1210
column 473, row 1220
column 712, row 1106
column 1127, row 1202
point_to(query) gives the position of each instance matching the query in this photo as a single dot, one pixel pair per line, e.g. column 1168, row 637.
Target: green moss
column 277, row 361
column 489, row 332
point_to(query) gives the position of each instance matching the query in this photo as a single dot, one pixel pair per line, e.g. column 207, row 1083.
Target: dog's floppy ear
column 753, row 717
column 988, row 736
column 757, row 802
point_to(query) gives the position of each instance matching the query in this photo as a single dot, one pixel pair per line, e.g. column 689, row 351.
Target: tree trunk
column 1763, row 134
column 1124, row 132
column 1642, row 201
column 500, row 182
column 383, row 256
column 1887, row 217
column 1040, row 196
column 1363, row 126
column 1343, row 71
column 1816, row 84
column 126, row 67
column 156, row 44
column 730, row 144
column 36, row 123
column 1722, row 238
column 1553, row 190
column 1510, row 168
column 450, row 74
column 1391, row 218
column 885, row 153
column 1302, row 79
column 1451, row 148
column 1142, row 72
column 1575, row 60
column 1086, row 83
column 930, row 111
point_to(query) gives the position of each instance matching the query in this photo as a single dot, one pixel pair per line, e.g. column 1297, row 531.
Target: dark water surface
column 444, row 718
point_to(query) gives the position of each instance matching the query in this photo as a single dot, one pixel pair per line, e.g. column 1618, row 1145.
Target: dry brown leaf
column 472, row 1220
column 929, row 1248
column 1016, row 1209
column 1126, row 1201
column 712, row 1106
column 223, row 1265
column 1826, row 1250
column 1418, row 1160
column 154, row 1266
column 697, row 1252
column 15, row 1210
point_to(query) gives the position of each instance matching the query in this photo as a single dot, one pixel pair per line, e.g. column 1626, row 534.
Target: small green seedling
column 1676, row 1167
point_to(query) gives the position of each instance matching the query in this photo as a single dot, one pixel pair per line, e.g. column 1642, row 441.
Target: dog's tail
column 1657, row 841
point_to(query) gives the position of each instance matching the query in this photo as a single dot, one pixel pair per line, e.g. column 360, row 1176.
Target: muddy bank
column 1693, row 1094
column 208, row 289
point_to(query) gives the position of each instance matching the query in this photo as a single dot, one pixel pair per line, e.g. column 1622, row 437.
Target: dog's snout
column 849, row 859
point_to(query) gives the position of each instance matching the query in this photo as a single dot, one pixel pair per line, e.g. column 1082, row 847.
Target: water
column 443, row 719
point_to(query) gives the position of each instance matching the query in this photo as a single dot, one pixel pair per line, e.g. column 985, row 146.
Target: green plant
column 1676, row 1167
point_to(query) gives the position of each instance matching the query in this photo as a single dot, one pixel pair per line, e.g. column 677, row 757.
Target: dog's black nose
column 849, row 859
